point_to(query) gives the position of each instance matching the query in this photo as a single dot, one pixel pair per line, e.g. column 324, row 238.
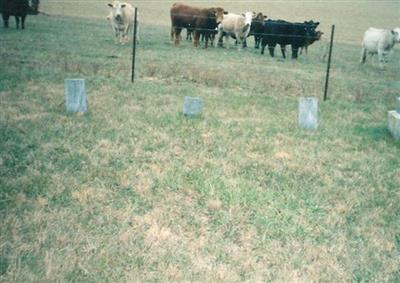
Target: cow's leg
column 295, row 50
column 257, row 42
column 283, row 51
column 381, row 57
column 239, row 41
column 17, row 21
column 271, row 48
column 5, row 19
column 196, row 38
column 263, row 44
column 219, row 37
column 177, row 32
column 205, row 36
column 23, row 21
column 363, row 55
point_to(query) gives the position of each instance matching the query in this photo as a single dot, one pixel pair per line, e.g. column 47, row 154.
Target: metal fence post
column 134, row 47
column 329, row 64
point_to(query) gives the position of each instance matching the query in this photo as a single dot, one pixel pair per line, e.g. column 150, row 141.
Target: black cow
column 256, row 29
column 17, row 8
column 285, row 33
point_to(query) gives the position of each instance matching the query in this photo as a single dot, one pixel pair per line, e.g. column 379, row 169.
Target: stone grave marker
column 192, row 106
column 75, row 95
column 394, row 121
column 308, row 113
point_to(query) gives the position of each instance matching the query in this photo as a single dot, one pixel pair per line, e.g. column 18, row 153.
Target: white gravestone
column 398, row 104
column 192, row 106
column 394, row 121
column 75, row 95
column 308, row 113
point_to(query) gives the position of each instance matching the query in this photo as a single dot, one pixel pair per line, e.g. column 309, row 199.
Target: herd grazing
column 215, row 23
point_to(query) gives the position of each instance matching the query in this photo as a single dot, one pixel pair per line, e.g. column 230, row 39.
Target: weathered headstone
column 308, row 113
column 394, row 121
column 192, row 106
column 75, row 95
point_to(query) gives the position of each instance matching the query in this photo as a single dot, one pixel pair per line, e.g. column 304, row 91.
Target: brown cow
column 200, row 20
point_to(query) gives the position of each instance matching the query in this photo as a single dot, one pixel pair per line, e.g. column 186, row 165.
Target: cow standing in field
column 17, row 8
column 379, row 41
column 256, row 28
column 202, row 21
column 235, row 25
column 311, row 40
column 285, row 33
column 122, row 19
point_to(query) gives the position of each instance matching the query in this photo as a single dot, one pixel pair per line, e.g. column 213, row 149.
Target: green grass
column 135, row 191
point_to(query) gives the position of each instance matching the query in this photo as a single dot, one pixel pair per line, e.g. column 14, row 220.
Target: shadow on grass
column 377, row 133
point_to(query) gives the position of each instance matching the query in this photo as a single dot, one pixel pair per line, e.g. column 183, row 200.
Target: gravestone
column 308, row 113
column 398, row 104
column 394, row 121
column 75, row 95
column 192, row 106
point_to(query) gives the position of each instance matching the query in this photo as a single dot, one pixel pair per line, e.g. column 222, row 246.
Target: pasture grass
column 135, row 191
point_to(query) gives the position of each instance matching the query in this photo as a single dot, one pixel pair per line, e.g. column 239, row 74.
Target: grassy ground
column 134, row 191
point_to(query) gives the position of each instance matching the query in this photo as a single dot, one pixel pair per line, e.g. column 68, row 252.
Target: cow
column 256, row 28
column 311, row 40
column 379, row 41
column 286, row 33
column 235, row 25
column 121, row 16
column 17, row 8
column 202, row 21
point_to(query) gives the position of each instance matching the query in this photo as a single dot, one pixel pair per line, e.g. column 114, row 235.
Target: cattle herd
column 213, row 24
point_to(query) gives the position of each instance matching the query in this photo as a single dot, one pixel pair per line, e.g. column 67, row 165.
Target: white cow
column 237, row 26
column 122, row 16
column 379, row 41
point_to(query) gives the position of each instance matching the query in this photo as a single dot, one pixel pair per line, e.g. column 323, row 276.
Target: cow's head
column 116, row 10
column 248, row 16
column 396, row 32
column 219, row 14
column 259, row 17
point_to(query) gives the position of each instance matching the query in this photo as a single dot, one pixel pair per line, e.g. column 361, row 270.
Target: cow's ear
column 316, row 24
column 226, row 12
column 123, row 5
column 265, row 17
column 110, row 5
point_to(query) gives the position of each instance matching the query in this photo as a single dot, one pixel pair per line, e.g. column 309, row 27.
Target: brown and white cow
column 200, row 20
column 122, row 19
column 237, row 26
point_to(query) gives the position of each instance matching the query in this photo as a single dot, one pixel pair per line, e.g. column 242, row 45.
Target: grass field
column 134, row 191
